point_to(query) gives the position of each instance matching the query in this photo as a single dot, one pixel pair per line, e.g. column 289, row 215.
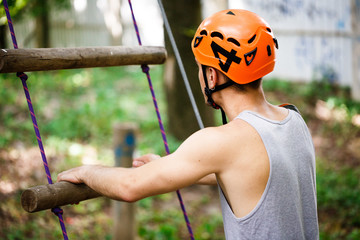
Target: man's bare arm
column 140, row 161
column 194, row 160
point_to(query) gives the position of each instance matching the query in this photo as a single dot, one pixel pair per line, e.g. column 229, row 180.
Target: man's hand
column 138, row 162
column 74, row 175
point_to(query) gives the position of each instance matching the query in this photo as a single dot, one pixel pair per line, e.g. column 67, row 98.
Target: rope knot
column 22, row 76
column 57, row 211
column 145, row 68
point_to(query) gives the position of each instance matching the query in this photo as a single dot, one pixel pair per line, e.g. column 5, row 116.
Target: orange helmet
column 238, row 43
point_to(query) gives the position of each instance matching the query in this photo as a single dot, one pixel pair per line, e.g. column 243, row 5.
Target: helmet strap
column 209, row 92
column 223, row 115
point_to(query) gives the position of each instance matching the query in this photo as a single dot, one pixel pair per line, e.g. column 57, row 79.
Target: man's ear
column 212, row 77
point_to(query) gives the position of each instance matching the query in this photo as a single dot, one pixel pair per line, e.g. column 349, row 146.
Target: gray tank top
column 287, row 208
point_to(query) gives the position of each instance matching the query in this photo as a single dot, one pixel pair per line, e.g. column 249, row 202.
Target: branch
column 43, row 59
column 54, row 195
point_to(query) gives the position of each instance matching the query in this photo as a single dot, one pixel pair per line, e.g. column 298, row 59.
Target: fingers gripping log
column 54, row 195
column 42, row 59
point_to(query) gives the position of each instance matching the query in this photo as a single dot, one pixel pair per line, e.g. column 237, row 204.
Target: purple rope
column 146, row 69
column 57, row 211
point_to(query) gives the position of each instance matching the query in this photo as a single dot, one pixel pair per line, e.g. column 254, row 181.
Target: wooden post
column 43, row 59
column 54, row 195
column 124, row 213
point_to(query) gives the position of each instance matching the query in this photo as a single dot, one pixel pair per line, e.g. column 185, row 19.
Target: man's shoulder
column 219, row 146
column 236, row 130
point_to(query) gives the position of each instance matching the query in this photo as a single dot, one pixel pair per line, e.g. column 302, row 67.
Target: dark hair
column 243, row 87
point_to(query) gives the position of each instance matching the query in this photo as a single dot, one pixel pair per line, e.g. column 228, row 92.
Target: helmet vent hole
column 252, row 39
column 268, row 50
column 217, row 34
column 230, row 13
column 203, row 32
column 234, row 41
column 268, row 29
column 276, row 43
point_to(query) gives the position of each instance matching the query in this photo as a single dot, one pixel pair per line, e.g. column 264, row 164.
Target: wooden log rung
column 55, row 195
column 43, row 59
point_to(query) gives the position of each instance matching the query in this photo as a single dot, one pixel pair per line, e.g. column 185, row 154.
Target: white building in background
column 317, row 39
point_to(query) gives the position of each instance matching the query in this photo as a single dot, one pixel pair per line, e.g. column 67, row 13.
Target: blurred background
column 318, row 70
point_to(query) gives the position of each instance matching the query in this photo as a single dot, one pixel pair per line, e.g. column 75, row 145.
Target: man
column 263, row 160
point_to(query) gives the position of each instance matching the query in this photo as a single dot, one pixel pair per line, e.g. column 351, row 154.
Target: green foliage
column 338, row 192
column 155, row 224
column 38, row 7
column 323, row 90
column 15, row 8
column 158, row 222
column 76, row 110
column 13, row 111
column 20, row 8
column 209, row 229
column 81, row 105
column 278, row 85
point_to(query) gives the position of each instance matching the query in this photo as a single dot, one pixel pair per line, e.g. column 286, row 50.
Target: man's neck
column 234, row 102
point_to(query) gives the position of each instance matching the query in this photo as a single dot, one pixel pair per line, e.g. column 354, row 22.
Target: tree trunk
column 184, row 17
column 3, row 32
column 43, row 25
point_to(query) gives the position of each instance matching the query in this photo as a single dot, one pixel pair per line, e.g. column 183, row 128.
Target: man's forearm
column 111, row 182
